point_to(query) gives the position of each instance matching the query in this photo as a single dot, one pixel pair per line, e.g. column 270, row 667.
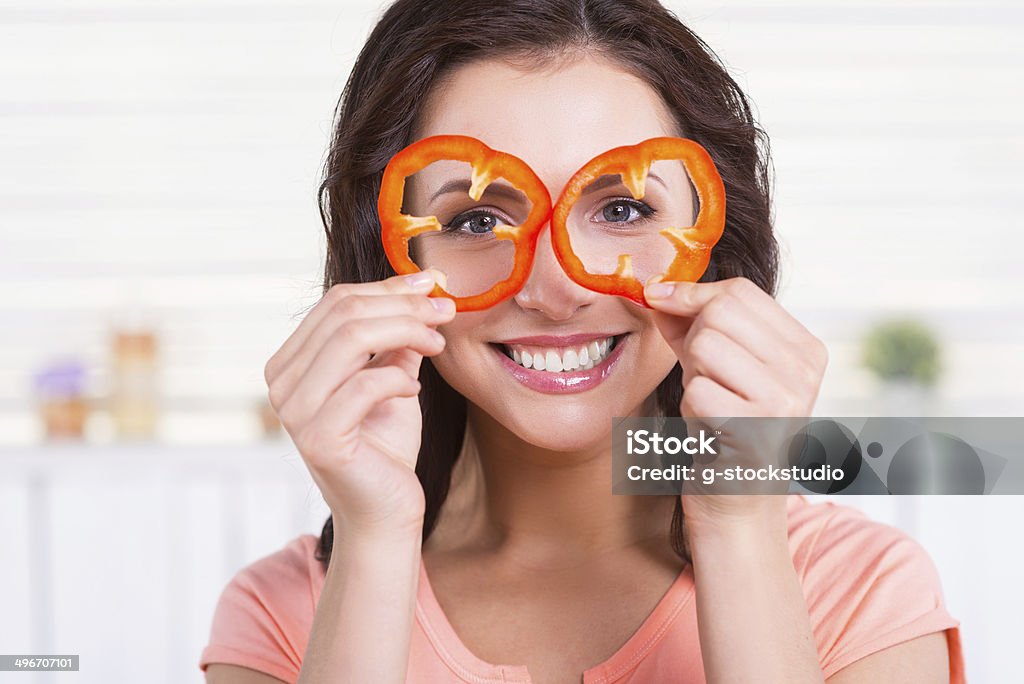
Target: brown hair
column 418, row 42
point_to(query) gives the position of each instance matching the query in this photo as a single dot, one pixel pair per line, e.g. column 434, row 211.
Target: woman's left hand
column 742, row 354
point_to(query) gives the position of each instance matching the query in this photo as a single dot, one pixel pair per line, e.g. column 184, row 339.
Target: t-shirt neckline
column 471, row 668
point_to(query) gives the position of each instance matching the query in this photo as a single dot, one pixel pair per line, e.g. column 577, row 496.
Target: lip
column 562, row 383
column 559, row 340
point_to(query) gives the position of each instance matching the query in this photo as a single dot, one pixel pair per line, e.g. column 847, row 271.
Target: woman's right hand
column 345, row 387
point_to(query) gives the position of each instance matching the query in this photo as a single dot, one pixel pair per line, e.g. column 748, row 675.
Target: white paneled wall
column 119, row 554
column 159, row 160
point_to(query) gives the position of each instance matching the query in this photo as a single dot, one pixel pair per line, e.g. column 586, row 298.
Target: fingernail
column 443, row 305
column 659, row 290
column 419, row 280
column 440, row 277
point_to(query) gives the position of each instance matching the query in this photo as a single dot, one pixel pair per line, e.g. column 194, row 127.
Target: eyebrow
column 613, row 179
column 462, row 186
column 509, row 192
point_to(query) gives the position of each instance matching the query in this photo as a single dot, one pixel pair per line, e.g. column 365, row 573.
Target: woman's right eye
column 474, row 223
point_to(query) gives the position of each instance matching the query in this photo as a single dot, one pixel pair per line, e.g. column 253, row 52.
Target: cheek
column 665, row 357
column 654, row 351
column 656, row 358
column 461, row 355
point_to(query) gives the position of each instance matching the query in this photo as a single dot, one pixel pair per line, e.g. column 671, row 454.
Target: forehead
column 555, row 117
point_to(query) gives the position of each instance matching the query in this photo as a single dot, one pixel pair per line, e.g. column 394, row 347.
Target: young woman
column 473, row 535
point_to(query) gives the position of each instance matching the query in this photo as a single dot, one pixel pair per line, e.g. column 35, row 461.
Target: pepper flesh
column 693, row 244
column 488, row 165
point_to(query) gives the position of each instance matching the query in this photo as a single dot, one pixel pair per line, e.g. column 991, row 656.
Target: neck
column 541, row 505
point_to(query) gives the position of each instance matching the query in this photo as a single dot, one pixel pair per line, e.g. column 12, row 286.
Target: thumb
column 682, row 298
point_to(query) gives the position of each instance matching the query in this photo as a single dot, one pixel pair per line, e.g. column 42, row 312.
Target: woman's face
column 555, row 119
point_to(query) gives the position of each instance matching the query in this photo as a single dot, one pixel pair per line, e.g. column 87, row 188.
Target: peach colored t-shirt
column 868, row 586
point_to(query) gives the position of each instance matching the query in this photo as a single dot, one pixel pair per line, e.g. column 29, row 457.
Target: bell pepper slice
column 693, row 244
column 488, row 165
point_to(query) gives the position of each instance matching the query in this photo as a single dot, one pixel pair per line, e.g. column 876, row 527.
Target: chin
column 557, row 425
column 565, row 423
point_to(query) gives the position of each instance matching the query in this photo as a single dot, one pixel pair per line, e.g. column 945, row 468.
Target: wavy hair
column 417, row 43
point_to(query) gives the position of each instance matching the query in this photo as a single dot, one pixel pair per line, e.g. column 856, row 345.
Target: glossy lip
column 562, row 383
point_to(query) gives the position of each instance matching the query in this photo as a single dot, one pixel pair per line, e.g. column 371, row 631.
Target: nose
column 548, row 291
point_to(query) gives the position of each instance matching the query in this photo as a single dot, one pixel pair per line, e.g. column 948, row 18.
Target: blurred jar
column 269, row 422
column 133, row 391
column 63, row 408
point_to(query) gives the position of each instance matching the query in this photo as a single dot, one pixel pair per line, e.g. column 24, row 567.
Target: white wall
column 162, row 157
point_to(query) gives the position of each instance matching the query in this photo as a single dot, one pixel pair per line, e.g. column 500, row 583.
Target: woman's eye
column 623, row 211
column 476, row 223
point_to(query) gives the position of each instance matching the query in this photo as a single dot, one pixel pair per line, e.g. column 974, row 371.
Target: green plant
column 902, row 349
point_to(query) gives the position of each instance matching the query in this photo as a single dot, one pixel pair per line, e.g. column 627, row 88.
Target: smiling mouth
column 579, row 356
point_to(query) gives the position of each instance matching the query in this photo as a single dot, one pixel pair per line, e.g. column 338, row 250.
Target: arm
column 344, row 385
column 363, row 621
column 267, row 627
column 743, row 355
column 752, row 620
column 754, row 624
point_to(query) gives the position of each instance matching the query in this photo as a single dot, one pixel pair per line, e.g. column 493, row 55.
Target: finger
column 747, row 314
column 685, row 299
column 703, row 397
column 348, row 406
column 689, row 299
column 405, row 358
column 781, row 320
column 416, row 283
column 742, row 323
column 430, row 310
column 348, row 352
column 762, row 326
column 677, row 304
column 713, row 355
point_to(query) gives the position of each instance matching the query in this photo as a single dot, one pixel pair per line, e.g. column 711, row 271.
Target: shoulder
column 264, row 615
column 841, row 541
column 868, row 585
column 293, row 569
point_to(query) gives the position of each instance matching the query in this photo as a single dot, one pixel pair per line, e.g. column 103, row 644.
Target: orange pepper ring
column 632, row 162
column 488, row 164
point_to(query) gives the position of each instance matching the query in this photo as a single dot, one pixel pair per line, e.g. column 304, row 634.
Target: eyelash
column 645, row 210
column 453, row 225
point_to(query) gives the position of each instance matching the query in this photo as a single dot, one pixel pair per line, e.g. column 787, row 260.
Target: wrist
column 748, row 525
column 382, row 534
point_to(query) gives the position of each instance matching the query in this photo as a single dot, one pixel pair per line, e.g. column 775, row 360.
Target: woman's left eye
column 474, row 223
column 625, row 211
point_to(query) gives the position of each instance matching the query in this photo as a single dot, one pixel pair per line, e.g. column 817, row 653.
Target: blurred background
column 159, row 239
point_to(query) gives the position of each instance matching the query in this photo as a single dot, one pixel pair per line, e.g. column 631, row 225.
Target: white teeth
column 563, row 359
column 553, row 362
